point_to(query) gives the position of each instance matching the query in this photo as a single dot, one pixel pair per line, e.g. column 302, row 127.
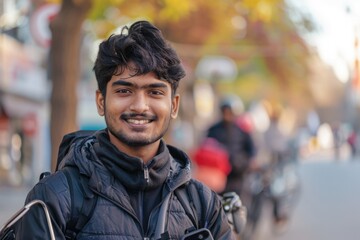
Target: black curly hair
column 142, row 45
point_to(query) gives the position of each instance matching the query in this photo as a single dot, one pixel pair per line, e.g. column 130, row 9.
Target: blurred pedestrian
column 281, row 171
column 352, row 140
column 338, row 137
column 238, row 143
column 212, row 164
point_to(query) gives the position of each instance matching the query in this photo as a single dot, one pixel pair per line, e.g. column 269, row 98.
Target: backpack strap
column 191, row 200
column 83, row 202
column 160, row 232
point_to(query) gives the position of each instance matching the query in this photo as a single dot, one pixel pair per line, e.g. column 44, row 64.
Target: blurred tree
column 64, row 66
column 282, row 48
column 240, row 29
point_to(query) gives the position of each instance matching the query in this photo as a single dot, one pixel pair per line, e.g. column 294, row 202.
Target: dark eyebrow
column 129, row 84
column 156, row 85
column 122, row 83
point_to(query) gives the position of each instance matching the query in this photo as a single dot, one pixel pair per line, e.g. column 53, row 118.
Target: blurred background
column 299, row 59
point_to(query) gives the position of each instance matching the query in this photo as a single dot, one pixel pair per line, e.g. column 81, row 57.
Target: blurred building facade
column 25, row 91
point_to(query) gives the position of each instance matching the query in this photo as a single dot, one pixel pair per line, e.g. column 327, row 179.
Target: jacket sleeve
column 215, row 219
column 53, row 192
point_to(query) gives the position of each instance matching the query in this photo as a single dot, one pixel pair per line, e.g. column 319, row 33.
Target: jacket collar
column 107, row 167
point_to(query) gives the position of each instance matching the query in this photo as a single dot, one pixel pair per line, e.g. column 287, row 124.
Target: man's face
column 228, row 115
column 137, row 109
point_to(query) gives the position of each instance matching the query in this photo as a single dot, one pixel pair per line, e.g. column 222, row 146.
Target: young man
column 128, row 165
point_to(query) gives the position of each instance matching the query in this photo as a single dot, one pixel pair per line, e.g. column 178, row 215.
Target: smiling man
column 135, row 177
column 137, row 111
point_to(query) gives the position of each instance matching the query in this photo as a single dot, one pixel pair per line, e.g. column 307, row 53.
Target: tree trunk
column 66, row 30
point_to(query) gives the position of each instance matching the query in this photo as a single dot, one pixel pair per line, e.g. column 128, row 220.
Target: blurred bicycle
column 278, row 183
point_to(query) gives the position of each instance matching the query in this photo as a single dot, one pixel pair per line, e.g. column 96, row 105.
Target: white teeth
column 138, row 122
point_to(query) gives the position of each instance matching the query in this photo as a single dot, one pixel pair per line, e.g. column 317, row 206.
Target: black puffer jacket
column 130, row 193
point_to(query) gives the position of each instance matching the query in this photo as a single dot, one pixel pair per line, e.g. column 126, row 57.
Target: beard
column 135, row 141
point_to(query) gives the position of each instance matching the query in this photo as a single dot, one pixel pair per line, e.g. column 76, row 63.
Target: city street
column 328, row 207
column 329, row 204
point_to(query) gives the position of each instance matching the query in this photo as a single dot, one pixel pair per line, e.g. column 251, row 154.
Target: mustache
column 144, row 116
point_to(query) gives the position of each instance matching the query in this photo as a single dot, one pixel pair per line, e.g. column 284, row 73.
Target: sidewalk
column 12, row 197
column 11, row 200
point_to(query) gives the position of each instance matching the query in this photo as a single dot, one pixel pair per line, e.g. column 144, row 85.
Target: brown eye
column 156, row 92
column 122, row 91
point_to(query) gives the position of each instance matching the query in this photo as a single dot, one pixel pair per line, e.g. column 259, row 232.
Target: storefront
column 24, row 96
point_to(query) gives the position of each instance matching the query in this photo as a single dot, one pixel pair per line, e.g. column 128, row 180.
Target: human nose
column 139, row 103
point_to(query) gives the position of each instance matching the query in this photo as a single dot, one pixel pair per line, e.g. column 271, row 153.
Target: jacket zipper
column 146, row 174
column 147, row 180
column 141, row 209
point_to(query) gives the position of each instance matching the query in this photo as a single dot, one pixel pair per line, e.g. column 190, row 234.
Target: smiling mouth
column 138, row 121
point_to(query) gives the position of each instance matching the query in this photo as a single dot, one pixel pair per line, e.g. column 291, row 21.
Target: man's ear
column 100, row 103
column 175, row 103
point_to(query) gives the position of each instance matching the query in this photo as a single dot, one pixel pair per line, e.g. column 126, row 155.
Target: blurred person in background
column 353, row 142
column 238, row 143
column 280, row 172
column 340, row 140
column 211, row 164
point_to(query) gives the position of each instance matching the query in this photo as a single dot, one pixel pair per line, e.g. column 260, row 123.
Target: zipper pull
column 146, row 174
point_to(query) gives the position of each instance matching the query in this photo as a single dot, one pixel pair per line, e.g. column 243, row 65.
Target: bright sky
column 337, row 26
